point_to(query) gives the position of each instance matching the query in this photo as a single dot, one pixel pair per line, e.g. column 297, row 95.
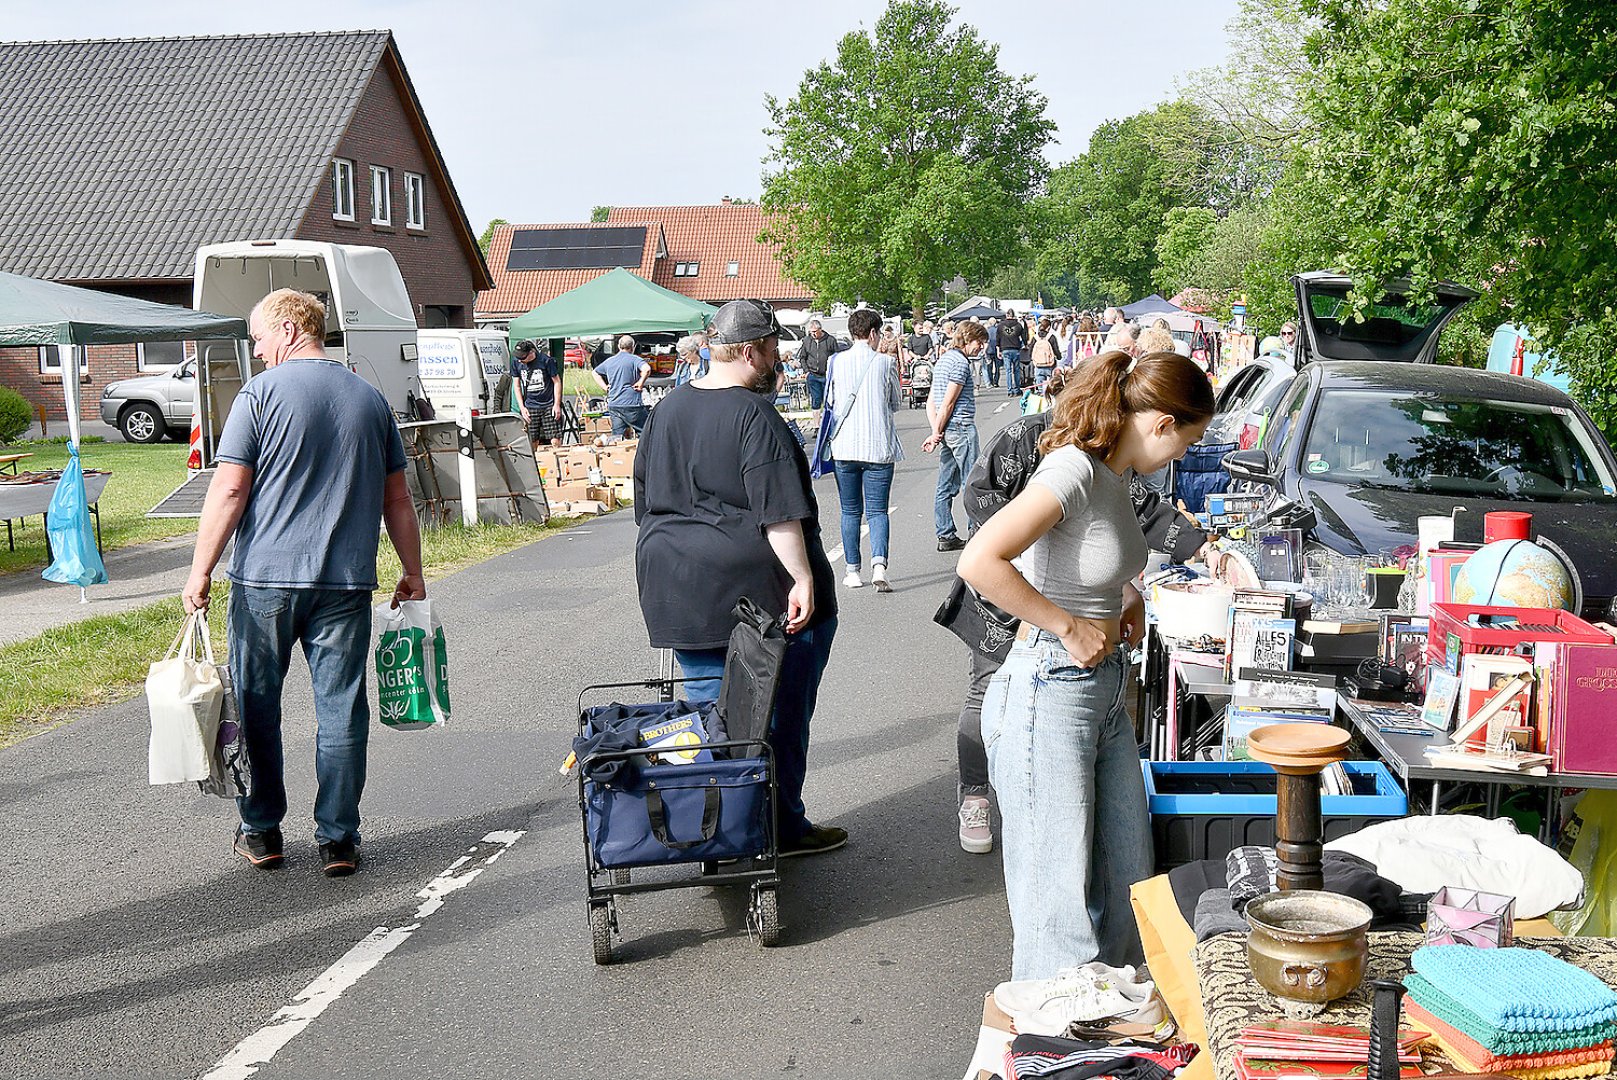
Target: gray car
column 151, row 406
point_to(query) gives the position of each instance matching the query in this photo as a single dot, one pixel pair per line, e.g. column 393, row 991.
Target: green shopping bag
column 412, row 666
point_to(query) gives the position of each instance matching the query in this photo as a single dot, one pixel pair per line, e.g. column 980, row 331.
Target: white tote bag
column 185, row 694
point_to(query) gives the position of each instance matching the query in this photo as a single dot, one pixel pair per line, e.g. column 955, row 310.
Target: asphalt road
column 134, row 944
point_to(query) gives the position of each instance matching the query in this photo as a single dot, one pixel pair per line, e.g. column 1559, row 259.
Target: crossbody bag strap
column 853, row 397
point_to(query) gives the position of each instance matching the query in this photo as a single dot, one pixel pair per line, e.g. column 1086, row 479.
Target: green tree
column 1477, row 141
column 905, row 162
column 1185, row 232
column 1102, row 213
column 600, row 213
column 488, row 234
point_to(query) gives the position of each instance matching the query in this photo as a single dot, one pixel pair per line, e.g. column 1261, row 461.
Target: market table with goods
column 1383, row 796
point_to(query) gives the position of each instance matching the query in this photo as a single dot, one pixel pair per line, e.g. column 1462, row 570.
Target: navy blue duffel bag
column 703, row 811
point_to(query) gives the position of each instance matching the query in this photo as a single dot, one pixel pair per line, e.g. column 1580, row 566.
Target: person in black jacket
column 998, row 477
column 1012, row 340
column 815, row 355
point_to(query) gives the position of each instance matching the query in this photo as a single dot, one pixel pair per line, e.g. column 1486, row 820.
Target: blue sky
column 545, row 109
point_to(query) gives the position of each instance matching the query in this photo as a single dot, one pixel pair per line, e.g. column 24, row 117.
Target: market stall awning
column 35, row 312
column 1151, row 305
column 617, row 302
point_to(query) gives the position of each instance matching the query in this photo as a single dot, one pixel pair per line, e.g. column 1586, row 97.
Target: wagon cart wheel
column 602, row 923
column 620, row 877
column 766, row 915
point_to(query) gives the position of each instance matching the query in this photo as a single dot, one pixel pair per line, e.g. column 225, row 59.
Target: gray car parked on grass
column 145, row 409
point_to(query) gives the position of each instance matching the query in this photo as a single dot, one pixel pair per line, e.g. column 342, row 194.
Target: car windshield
column 1427, row 443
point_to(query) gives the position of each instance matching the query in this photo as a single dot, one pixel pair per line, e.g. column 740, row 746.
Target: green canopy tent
column 617, row 302
column 34, row 312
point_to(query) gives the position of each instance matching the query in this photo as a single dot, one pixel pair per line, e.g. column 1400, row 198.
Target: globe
column 1514, row 573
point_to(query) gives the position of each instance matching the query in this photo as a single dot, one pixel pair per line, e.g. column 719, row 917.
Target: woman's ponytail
column 1103, row 393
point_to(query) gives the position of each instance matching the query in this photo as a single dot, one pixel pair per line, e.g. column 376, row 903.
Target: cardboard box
column 604, row 495
column 618, row 460
column 568, row 492
column 577, row 463
column 577, row 508
column 993, row 1039
column 549, row 462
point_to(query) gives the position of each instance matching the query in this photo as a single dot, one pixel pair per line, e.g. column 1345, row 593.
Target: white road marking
column 257, row 1049
column 1002, row 407
column 864, row 530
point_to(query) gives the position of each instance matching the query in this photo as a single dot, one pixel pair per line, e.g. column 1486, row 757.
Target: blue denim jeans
column 1076, row 835
column 816, row 390
column 806, row 656
column 627, row 418
column 864, row 487
column 955, row 458
column 334, row 626
column 1013, row 368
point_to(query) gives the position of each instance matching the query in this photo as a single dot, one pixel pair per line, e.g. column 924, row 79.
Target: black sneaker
column 818, row 840
column 950, row 543
column 339, row 858
column 262, row 849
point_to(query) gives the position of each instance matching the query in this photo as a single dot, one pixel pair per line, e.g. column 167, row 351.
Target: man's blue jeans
column 1013, row 368
column 816, row 389
column 1076, row 833
column 955, row 458
column 991, row 366
column 864, row 488
column 334, row 626
column 627, row 419
column 806, row 656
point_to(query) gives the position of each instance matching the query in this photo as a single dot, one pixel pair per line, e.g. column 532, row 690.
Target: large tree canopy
column 904, row 163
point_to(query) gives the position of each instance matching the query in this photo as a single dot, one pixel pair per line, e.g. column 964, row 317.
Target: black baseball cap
column 743, row 320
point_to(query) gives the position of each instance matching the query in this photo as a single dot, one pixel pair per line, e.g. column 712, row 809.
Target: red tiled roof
column 715, row 236
column 517, row 292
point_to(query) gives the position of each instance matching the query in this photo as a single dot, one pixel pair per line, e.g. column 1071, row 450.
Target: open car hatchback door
column 1395, row 327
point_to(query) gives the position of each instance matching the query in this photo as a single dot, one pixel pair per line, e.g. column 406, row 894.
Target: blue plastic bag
column 72, row 537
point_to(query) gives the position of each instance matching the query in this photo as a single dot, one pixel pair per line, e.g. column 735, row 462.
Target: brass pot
column 1307, row 946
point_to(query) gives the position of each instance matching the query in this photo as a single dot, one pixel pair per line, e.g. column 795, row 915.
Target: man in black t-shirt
column 1012, row 340
column 726, row 509
column 537, row 382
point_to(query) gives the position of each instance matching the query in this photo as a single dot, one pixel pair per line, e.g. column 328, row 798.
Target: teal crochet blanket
column 1517, row 989
column 1494, row 1039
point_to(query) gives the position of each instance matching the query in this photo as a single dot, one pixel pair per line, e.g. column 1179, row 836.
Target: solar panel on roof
column 587, row 247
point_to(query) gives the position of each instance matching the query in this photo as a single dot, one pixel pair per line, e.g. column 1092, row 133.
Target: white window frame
column 342, row 189
column 687, row 269
column 732, row 269
column 415, row 201
column 47, row 366
column 381, row 184
column 142, row 364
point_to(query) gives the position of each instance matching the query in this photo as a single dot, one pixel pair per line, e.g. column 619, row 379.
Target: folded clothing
column 1493, row 1038
column 1485, row 1060
column 1052, row 1058
column 1216, row 914
column 1517, row 989
column 1554, row 1072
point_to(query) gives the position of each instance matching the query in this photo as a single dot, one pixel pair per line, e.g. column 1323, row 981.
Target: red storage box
column 1452, row 632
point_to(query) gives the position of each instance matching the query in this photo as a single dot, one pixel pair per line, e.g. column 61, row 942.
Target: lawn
column 141, row 476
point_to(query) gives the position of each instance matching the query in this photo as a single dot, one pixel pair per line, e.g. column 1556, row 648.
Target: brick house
column 119, row 158
column 710, row 253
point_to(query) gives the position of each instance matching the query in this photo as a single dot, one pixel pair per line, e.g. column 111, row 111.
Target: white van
column 465, row 373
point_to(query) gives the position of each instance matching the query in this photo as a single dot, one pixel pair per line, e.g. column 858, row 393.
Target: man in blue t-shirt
column 952, row 411
column 310, row 462
column 623, row 376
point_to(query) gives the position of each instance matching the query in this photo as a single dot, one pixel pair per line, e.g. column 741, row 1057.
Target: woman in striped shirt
column 862, row 390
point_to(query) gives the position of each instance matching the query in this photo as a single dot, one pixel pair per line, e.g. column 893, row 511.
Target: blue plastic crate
column 1232, row 804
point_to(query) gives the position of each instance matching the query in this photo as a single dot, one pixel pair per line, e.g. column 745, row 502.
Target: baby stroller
column 920, row 374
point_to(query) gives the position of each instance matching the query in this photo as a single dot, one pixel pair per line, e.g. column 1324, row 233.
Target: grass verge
column 141, row 476
column 103, row 660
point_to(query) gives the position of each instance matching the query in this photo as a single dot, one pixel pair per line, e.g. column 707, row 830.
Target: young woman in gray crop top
column 1061, row 752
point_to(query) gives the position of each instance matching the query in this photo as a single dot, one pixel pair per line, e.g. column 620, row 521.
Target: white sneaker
column 878, row 577
column 851, row 580
column 1080, row 995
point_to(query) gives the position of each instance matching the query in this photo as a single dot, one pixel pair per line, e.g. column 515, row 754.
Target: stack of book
column 1273, row 696
column 1260, row 633
column 1288, row 1049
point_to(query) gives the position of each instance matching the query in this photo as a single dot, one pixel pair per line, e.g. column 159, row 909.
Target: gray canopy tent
column 35, row 312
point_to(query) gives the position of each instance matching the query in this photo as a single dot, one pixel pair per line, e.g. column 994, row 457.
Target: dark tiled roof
column 118, row 159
